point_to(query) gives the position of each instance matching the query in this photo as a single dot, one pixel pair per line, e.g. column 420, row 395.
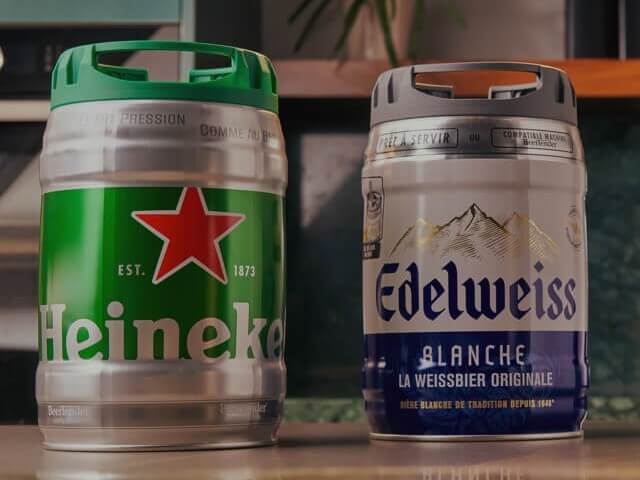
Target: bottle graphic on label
column 373, row 216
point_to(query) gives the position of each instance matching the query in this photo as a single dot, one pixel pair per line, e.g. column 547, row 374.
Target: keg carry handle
column 399, row 95
column 495, row 91
column 248, row 79
column 237, row 72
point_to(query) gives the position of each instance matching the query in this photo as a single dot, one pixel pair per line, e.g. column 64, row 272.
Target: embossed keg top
column 80, row 76
column 399, row 95
column 318, row 451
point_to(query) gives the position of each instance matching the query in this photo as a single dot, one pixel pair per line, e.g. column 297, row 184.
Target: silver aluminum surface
column 162, row 405
column 111, row 143
column 441, row 138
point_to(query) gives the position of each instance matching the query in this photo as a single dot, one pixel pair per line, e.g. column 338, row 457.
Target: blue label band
column 475, row 383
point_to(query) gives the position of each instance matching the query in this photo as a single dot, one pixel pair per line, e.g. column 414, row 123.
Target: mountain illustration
column 540, row 244
column 474, row 234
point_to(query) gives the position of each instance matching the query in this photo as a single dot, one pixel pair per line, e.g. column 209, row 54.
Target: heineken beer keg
column 474, row 259
column 161, row 306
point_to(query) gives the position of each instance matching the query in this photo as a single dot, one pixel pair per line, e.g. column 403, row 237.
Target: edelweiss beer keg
column 161, row 312
column 474, row 259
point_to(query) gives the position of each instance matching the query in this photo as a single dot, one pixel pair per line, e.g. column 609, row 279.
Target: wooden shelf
column 593, row 78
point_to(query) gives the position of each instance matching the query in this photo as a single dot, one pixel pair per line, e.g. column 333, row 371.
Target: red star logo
column 191, row 233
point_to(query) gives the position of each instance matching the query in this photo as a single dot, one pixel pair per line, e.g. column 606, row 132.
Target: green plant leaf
column 416, row 28
column 394, row 8
column 315, row 15
column 383, row 16
column 349, row 20
column 302, row 6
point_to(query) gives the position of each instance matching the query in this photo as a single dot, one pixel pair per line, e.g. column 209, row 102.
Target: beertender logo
column 474, row 236
column 191, row 234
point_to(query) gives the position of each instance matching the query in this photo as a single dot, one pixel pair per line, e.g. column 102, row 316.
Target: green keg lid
column 78, row 76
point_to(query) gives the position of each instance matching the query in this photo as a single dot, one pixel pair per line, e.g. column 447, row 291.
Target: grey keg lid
column 397, row 95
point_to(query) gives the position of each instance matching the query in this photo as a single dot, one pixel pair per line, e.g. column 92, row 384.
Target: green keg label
column 130, row 273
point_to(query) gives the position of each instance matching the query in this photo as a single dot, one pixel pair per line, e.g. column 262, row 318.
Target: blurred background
column 327, row 54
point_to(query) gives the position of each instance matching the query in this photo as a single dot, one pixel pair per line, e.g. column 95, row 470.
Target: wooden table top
column 341, row 451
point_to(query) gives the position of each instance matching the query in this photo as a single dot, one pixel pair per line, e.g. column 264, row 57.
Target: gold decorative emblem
column 573, row 228
column 374, row 208
column 474, row 234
